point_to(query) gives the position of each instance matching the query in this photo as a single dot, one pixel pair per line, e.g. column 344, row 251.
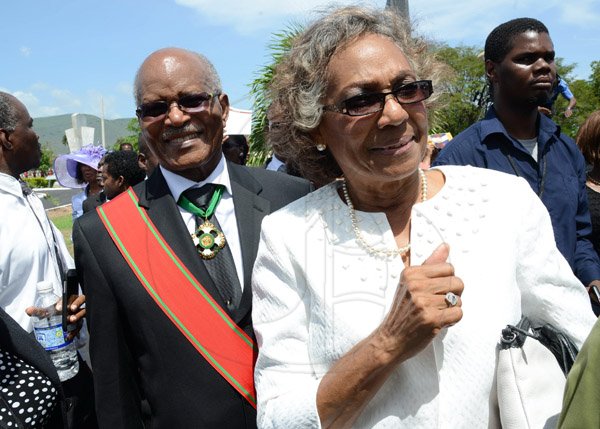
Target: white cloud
column 583, row 13
column 25, row 51
column 125, row 88
column 470, row 21
column 248, row 16
column 43, row 100
column 39, row 86
column 27, row 98
column 455, row 21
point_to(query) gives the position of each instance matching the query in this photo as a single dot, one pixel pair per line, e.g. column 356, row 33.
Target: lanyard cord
column 60, row 265
column 544, row 166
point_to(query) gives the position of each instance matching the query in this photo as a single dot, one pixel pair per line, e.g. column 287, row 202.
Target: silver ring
column 451, row 299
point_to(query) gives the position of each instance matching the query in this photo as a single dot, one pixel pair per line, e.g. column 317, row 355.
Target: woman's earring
column 321, row 147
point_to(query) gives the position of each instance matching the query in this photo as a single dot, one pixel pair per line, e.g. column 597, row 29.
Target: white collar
column 10, row 185
column 178, row 184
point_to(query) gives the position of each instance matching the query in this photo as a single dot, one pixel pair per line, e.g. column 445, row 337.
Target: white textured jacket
column 317, row 294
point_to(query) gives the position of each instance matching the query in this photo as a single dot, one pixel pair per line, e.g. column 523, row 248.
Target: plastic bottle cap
column 44, row 286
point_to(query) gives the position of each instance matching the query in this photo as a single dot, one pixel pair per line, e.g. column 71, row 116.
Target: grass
column 64, row 222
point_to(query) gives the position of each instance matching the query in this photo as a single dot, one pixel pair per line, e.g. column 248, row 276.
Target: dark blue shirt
column 558, row 177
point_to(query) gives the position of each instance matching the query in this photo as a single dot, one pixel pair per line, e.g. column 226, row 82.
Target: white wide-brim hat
column 65, row 166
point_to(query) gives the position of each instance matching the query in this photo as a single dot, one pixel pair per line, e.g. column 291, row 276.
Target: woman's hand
column 420, row 310
column 418, row 313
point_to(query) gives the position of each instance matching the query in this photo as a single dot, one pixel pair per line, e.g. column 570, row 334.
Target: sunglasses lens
column 190, row 102
column 413, row 92
column 152, row 110
column 363, row 104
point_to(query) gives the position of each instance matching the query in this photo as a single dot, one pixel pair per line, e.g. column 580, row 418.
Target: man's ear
column 490, row 71
column 4, row 142
column 224, row 102
column 121, row 182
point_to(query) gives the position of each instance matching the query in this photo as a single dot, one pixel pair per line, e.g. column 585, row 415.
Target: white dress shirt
column 225, row 210
column 27, row 252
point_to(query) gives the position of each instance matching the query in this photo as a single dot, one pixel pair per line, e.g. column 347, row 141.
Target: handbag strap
column 563, row 349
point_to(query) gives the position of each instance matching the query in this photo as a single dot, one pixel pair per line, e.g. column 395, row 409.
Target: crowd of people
column 363, row 291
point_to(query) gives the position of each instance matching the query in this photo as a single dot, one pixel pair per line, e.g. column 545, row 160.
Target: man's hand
column 75, row 317
column 594, row 291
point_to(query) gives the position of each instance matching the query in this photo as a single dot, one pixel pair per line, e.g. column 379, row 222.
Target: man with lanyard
column 516, row 139
column 32, row 248
column 166, row 265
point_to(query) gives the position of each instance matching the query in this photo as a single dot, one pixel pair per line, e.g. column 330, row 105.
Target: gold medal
column 208, row 240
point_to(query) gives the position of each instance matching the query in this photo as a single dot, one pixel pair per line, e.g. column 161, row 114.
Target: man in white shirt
column 32, row 248
column 30, row 242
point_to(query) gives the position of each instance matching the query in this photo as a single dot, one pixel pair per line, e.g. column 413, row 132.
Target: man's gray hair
column 8, row 112
column 211, row 76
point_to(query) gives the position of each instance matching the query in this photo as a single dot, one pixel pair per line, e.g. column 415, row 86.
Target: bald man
column 170, row 319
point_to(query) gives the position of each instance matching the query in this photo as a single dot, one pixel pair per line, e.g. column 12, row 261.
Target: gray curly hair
column 299, row 83
column 8, row 112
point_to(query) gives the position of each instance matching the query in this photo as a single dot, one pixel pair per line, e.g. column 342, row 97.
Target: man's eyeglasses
column 365, row 104
column 157, row 110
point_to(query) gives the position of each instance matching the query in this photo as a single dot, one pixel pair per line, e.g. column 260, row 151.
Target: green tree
column 587, row 102
column 587, row 93
column 47, row 160
column 595, row 78
column 464, row 93
column 132, row 139
column 259, row 90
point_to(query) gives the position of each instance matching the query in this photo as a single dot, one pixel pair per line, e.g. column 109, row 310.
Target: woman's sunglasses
column 365, row 104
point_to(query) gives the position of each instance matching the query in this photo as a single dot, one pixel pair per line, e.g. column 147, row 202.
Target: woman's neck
column 386, row 197
column 93, row 188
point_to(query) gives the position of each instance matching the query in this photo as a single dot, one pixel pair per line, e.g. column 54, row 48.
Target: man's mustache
column 171, row 132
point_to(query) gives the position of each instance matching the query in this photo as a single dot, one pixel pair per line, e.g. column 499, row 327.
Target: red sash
column 179, row 294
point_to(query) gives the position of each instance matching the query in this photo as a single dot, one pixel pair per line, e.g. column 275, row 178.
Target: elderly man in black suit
column 166, row 266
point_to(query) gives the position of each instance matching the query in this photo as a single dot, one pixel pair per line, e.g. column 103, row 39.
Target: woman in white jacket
column 379, row 298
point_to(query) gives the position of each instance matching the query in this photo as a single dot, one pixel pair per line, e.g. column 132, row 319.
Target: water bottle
column 49, row 333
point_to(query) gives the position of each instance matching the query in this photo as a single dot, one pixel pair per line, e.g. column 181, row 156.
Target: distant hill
column 51, row 130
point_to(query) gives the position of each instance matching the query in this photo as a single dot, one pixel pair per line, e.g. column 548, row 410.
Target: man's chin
column 540, row 99
column 194, row 166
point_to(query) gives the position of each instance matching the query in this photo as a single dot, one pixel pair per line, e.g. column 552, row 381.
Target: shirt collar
column 492, row 125
column 10, row 185
column 178, row 184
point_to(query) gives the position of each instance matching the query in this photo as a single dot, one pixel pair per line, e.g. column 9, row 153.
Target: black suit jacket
column 135, row 349
column 19, row 342
column 90, row 203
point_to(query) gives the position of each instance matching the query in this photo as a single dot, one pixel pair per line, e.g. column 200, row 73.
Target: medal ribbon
column 212, row 205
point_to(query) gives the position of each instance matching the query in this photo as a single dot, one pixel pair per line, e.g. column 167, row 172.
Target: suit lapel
column 250, row 209
column 164, row 213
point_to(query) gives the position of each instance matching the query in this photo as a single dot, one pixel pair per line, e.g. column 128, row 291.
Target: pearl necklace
column 357, row 234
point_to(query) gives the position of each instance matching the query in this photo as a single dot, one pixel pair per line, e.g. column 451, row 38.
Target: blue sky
column 61, row 56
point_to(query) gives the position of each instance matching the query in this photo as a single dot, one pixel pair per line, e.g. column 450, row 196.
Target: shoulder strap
column 225, row 346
